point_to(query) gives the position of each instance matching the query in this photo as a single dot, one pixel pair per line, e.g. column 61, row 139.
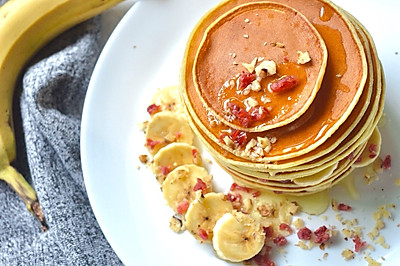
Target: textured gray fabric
column 50, row 105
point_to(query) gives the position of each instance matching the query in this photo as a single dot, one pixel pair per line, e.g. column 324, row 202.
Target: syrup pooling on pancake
column 269, row 73
column 328, row 111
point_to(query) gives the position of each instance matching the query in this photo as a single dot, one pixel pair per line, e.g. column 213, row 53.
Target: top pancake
column 241, row 40
column 339, row 93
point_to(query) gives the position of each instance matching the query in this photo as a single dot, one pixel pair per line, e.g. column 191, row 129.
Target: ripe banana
column 166, row 127
column 181, row 185
column 169, row 99
column 204, row 212
column 237, row 237
column 172, row 156
column 25, row 27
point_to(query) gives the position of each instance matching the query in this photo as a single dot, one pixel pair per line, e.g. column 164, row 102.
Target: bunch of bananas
column 25, row 27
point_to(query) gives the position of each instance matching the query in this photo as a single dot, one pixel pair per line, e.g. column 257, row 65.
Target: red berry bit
column 200, row 185
column 182, row 207
column 152, row 143
column 203, row 234
column 344, row 207
column 322, row 235
column 358, row 243
column 285, row 227
column 153, row 108
column 262, row 258
column 246, row 119
column 372, row 150
column 304, row 233
column 239, row 138
column 165, row 170
column 269, row 231
column 236, row 200
column 280, row 241
column 387, row 162
column 284, row 84
column 245, row 79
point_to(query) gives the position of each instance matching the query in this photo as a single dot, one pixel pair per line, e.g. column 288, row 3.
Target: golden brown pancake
column 314, row 151
column 258, row 32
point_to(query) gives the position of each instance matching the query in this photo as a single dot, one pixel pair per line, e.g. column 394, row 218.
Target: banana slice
column 169, row 99
column 167, row 127
column 180, row 186
column 204, row 212
column 172, row 156
column 237, row 237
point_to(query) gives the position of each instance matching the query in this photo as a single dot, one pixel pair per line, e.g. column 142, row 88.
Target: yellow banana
column 25, row 27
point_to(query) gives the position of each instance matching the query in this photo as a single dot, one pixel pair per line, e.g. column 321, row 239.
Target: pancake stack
column 285, row 94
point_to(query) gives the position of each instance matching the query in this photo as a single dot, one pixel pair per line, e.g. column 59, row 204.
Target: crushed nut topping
column 250, row 66
column 266, row 68
column 303, row 57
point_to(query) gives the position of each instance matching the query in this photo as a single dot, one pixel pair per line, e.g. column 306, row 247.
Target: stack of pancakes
column 285, row 94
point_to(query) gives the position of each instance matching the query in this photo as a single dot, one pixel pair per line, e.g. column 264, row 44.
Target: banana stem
column 18, row 183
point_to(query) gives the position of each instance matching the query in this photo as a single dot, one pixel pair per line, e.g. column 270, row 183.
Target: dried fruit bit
column 285, row 227
column 284, row 84
column 262, row 258
column 165, row 170
column 153, row 108
column 322, row 235
column 343, row 207
column 358, row 243
column 280, row 241
column 152, row 143
column 182, row 207
column 200, row 185
column 387, row 162
column 247, row 118
column 269, row 231
column 203, row 234
column 245, row 79
column 304, row 233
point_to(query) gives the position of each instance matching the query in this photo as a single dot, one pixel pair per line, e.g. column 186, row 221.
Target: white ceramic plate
column 143, row 54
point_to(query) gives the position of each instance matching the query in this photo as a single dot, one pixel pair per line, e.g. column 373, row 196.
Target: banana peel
column 25, row 27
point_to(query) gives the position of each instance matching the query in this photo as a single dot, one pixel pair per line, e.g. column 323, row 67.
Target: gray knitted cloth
column 47, row 111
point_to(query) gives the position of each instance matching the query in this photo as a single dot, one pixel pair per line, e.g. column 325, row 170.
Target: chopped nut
column 143, row 158
column 176, row 224
column 247, row 20
column 266, row 210
column 298, row 223
column 302, row 245
column 303, row 57
column 266, row 68
column 255, row 86
column 371, row 261
column 250, row 102
column 264, row 142
column 265, row 99
column 247, row 205
column 228, row 141
column 251, row 144
column 250, row 66
column 246, row 36
column 348, row 254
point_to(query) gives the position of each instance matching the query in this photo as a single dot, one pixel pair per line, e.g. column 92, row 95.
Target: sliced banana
column 204, row 212
column 167, row 127
column 237, row 237
column 172, row 156
column 180, row 185
column 169, row 99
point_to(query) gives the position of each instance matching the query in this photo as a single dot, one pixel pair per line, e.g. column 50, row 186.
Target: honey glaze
column 277, row 104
